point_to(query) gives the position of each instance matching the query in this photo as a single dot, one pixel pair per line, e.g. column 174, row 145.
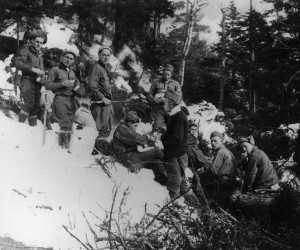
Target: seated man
column 132, row 149
column 196, row 157
column 260, row 173
column 219, row 178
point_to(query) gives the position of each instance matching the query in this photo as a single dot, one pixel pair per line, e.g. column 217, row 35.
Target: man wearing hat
column 156, row 94
column 260, row 173
column 219, row 178
column 196, row 156
column 65, row 85
column 30, row 61
column 175, row 148
column 131, row 149
column 99, row 85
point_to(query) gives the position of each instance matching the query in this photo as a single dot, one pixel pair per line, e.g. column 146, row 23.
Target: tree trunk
column 252, row 93
column 18, row 46
column 223, row 69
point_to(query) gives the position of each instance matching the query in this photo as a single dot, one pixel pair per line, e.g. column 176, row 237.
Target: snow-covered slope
column 43, row 187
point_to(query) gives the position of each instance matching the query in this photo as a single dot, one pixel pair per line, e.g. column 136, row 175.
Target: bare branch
column 76, row 238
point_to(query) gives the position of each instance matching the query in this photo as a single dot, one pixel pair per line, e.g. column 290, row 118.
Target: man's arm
column 250, row 175
column 21, row 61
column 50, row 83
column 93, row 82
column 130, row 138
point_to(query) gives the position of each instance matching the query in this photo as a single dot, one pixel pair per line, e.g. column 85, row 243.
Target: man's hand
column 38, row 71
column 106, row 101
column 68, row 83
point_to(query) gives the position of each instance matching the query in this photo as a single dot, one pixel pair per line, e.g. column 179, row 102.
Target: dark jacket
column 56, row 76
column 224, row 164
column 260, row 172
column 99, row 82
column 125, row 141
column 29, row 58
column 175, row 138
column 161, row 86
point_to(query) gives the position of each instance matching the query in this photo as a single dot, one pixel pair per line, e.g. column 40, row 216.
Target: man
column 132, row 149
column 156, row 96
column 64, row 84
column 219, row 179
column 30, row 61
column 175, row 148
column 196, row 157
column 99, row 84
column 260, row 173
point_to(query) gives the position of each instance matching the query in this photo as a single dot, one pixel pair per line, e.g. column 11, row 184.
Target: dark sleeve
column 50, row 83
column 93, row 82
column 250, row 174
column 21, row 61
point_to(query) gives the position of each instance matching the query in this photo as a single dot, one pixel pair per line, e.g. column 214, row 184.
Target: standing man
column 99, row 84
column 156, row 96
column 260, row 173
column 175, row 148
column 219, row 178
column 64, row 84
column 30, row 61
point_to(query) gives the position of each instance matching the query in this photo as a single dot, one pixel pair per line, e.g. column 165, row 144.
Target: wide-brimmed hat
column 132, row 116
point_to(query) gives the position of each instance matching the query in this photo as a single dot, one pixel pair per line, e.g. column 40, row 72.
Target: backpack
column 102, row 146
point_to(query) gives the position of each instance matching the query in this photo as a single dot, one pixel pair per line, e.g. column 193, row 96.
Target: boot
column 61, row 139
column 23, row 116
column 32, row 120
column 67, row 140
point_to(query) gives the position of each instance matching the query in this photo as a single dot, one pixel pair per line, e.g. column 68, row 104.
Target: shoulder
column 175, row 83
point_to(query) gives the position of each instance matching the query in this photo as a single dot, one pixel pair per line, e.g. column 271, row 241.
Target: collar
column 62, row 66
column 102, row 64
column 253, row 150
column 33, row 50
column 177, row 108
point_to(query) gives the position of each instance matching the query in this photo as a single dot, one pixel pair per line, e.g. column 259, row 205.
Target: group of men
column 171, row 126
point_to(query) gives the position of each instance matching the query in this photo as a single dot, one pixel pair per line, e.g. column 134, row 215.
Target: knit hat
column 168, row 67
column 70, row 52
column 192, row 123
column 104, row 47
column 173, row 96
column 216, row 133
column 248, row 139
column 131, row 116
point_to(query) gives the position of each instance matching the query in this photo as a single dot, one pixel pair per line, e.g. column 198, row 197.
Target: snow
column 43, row 187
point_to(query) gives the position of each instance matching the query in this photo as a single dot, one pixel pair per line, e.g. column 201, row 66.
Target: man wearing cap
column 196, row 156
column 99, row 85
column 65, row 85
column 260, row 173
column 175, row 148
column 131, row 149
column 30, row 61
column 156, row 94
column 219, row 178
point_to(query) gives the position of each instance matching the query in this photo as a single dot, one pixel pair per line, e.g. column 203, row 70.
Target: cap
column 168, row 67
column 131, row 116
column 70, row 52
column 216, row 133
column 104, row 47
column 173, row 96
column 248, row 139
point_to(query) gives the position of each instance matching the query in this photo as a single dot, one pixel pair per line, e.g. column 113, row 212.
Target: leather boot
column 23, row 116
column 32, row 120
column 61, row 139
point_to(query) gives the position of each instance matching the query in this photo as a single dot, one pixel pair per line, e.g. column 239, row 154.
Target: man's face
column 133, row 125
column 193, row 130
column 104, row 55
column 216, row 142
column 37, row 43
column 167, row 75
column 68, row 59
column 246, row 147
column 168, row 105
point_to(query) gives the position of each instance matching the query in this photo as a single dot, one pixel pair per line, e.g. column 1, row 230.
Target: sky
column 211, row 15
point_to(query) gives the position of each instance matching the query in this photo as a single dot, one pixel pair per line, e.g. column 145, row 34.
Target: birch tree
column 193, row 8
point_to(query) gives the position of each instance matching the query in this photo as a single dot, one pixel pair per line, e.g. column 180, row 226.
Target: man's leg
column 32, row 119
column 27, row 90
column 159, row 119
